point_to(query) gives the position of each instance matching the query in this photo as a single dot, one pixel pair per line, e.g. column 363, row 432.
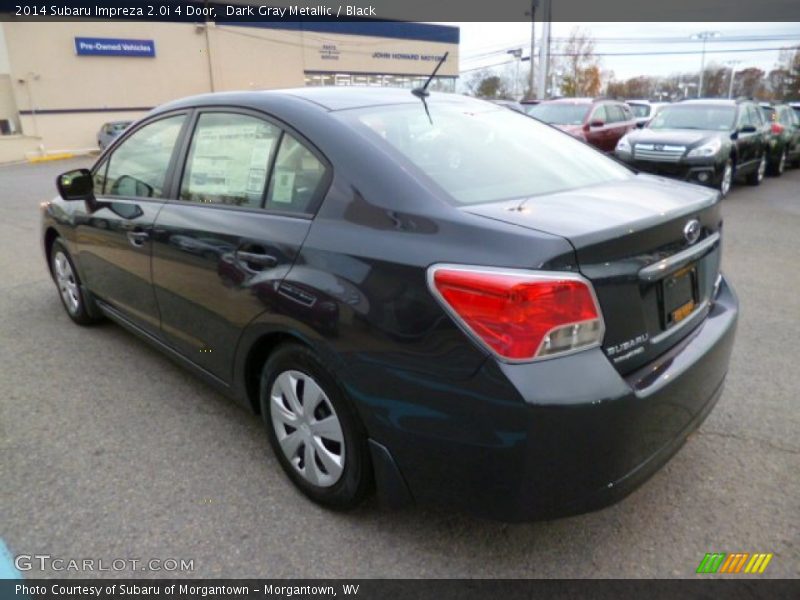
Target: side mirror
column 747, row 129
column 76, row 185
column 596, row 123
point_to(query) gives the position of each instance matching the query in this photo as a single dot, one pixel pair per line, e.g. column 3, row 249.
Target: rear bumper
column 553, row 438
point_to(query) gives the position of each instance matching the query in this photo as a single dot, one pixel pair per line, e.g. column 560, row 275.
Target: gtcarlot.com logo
column 736, row 562
column 44, row 562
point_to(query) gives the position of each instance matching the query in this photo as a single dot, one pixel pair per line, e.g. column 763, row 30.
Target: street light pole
column 544, row 52
column 732, row 64
column 517, row 54
column 705, row 36
column 534, row 4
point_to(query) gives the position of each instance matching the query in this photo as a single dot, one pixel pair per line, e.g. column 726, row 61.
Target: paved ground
column 108, row 450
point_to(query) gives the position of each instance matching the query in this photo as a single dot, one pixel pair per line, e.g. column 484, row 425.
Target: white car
column 644, row 110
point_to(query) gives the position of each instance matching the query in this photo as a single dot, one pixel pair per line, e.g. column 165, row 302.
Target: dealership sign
column 114, row 47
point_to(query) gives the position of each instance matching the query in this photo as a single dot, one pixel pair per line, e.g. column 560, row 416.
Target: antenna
column 423, row 91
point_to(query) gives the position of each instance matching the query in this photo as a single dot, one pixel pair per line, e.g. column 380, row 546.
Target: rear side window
column 138, row 166
column 600, row 114
column 228, row 160
column 296, row 178
column 615, row 113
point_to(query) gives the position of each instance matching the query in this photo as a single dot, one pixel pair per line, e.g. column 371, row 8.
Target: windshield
column 559, row 113
column 696, row 116
column 483, row 154
column 640, row 110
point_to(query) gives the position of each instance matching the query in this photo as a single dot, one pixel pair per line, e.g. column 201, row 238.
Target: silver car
column 109, row 131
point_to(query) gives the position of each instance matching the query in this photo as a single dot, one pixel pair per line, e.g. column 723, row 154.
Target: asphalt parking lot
column 111, row 451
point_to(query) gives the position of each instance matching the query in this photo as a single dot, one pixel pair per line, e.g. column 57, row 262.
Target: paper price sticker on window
column 283, row 188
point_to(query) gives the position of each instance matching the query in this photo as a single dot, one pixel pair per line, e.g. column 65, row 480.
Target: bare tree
column 578, row 66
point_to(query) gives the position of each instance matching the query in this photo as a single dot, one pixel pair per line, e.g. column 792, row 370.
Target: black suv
column 703, row 141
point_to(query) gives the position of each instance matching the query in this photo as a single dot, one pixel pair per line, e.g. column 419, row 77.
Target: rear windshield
column 695, row 116
column 480, row 153
column 560, row 114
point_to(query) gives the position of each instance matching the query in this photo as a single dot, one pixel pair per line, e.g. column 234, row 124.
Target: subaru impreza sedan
column 424, row 295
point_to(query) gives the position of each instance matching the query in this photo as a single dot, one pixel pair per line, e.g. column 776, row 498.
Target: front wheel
column 69, row 285
column 757, row 176
column 313, row 429
column 726, row 180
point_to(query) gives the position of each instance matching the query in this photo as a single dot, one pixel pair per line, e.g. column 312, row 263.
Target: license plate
column 679, row 294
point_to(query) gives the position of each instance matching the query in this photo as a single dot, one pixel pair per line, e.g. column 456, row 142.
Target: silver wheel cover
column 307, row 428
column 67, row 285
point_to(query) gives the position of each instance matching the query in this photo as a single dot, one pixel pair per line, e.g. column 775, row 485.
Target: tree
column 578, row 66
column 748, row 82
column 486, row 84
column 715, row 81
column 790, row 62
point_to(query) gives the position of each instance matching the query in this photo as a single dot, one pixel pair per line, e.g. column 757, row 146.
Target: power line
column 655, row 53
column 643, row 40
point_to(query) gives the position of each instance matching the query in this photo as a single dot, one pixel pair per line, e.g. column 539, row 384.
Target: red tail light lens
column 777, row 128
column 521, row 315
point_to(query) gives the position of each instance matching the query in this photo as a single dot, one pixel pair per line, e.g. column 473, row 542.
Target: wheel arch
column 50, row 236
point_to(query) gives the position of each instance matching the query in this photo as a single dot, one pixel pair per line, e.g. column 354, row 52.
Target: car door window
column 744, row 117
column 297, row 178
column 228, row 160
column 756, row 116
column 138, row 167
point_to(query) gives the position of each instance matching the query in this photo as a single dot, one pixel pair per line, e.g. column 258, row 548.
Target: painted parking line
column 7, row 568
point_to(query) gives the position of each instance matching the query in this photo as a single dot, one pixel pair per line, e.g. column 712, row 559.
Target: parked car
column 601, row 123
column 644, row 110
column 446, row 300
column 703, row 141
column 784, row 137
column 109, row 132
column 795, row 107
column 510, row 104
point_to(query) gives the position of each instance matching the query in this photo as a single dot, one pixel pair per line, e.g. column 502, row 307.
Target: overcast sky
column 485, row 44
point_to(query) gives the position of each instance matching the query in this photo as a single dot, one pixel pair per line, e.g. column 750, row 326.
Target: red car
column 599, row 122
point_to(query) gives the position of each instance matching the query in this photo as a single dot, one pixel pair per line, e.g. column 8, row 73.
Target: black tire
column 356, row 480
column 757, row 176
column 77, row 307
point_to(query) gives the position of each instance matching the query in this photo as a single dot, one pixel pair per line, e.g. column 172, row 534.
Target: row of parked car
column 707, row 141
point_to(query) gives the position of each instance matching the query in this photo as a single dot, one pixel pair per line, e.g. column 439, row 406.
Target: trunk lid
column 653, row 283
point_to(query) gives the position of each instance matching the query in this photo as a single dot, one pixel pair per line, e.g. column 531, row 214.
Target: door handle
column 137, row 238
column 258, row 259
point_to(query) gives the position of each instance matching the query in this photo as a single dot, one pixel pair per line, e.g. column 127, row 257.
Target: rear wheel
column 779, row 166
column 757, row 176
column 69, row 285
column 313, row 430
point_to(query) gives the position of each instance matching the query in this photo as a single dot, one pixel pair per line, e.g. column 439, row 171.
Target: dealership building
column 61, row 81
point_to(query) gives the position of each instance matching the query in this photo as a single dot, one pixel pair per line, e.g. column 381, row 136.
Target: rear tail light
column 777, row 128
column 520, row 315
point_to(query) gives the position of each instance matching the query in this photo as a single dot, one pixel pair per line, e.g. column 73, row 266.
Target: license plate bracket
column 679, row 295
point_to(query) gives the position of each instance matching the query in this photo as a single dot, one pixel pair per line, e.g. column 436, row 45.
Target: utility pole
column 534, row 4
column 544, row 51
column 732, row 64
column 704, row 36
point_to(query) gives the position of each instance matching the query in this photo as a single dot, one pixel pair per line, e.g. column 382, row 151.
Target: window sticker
column 283, row 188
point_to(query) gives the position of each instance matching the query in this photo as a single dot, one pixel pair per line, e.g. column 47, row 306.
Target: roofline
column 403, row 30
